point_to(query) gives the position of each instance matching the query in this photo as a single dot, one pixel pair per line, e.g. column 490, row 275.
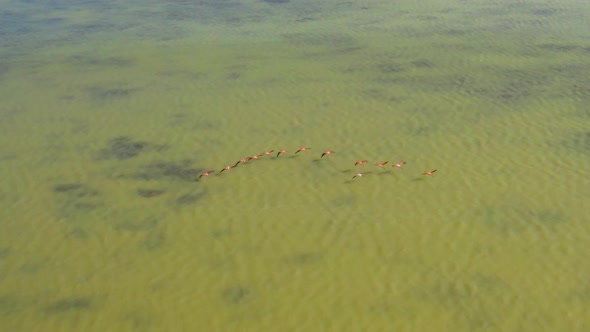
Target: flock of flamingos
column 325, row 153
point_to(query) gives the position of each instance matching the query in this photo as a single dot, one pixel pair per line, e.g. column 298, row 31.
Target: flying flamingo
column 400, row 164
column 429, row 173
column 227, row 168
column 242, row 161
column 302, row 150
column 207, row 173
column 357, row 175
column 327, row 153
column 256, row 156
column 281, row 151
column 360, row 162
column 381, row 164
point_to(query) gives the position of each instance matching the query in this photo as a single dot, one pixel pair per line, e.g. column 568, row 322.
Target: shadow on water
column 103, row 94
column 153, row 240
column 78, row 233
column 64, row 4
column 13, row 26
column 20, row 28
column 80, row 32
column 235, row 295
column 192, row 197
column 139, row 321
column 579, row 141
column 4, row 69
column 344, row 199
column 124, row 147
column 90, row 60
column 149, row 193
column 76, row 200
column 182, row 170
column 11, row 304
column 514, row 219
column 423, row 63
column 4, row 252
column 34, row 266
column 77, row 190
column 455, row 294
column 70, row 304
column 132, row 225
column 320, row 39
column 153, row 236
column 553, row 47
column 518, row 85
column 216, row 4
column 581, row 294
column 303, row 259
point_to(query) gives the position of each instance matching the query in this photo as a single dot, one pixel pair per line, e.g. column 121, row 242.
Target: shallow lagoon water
column 109, row 113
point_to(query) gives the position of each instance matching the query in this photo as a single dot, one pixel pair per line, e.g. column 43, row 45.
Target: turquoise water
column 109, row 113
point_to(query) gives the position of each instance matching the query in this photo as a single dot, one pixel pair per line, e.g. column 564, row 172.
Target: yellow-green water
column 108, row 113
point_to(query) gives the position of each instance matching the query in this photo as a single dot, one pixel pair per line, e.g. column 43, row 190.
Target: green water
column 108, row 113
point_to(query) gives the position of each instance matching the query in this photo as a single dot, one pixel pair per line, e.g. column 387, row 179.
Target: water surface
column 109, row 112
